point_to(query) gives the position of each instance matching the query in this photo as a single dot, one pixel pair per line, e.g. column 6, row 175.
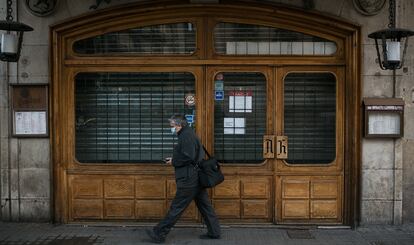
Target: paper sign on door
column 234, row 125
column 240, row 101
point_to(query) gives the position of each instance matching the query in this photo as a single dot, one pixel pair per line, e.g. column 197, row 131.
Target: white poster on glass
column 384, row 123
column 234, row 125
column 240, row 101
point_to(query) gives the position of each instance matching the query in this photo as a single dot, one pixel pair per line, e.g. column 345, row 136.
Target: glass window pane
column 310, row 117
column 178, row 38
column 239, row 117
column 383, row 122
column 245, row 39
column 122, row 117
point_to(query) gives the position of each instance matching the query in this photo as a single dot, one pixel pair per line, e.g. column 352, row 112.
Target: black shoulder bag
column 210, row 173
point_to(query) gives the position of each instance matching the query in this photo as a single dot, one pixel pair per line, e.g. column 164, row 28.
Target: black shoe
column 207, row 236
column 154, row 237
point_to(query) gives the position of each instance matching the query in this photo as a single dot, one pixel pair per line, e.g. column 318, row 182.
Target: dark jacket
column 187, row 153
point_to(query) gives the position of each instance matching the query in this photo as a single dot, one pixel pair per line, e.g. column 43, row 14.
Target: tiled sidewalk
column 41, row 233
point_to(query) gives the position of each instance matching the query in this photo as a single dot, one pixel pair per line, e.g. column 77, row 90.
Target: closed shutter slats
column 310, row 117
column 122, row 117
column 246, row 147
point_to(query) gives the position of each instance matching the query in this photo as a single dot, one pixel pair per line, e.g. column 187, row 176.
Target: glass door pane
column 239, row 116
column 310, row 117
column 121, row 117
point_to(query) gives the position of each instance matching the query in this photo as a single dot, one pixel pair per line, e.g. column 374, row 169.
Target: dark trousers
column 188, row 189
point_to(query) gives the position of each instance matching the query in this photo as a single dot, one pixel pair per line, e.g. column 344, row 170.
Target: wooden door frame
column 312, row 175
column 349, row 55
column 337, row 164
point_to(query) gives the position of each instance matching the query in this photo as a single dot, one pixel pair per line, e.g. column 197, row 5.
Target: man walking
column 186, row 154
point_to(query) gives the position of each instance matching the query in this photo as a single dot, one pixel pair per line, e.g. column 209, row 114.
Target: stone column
column 9, row 174
column 405, row 12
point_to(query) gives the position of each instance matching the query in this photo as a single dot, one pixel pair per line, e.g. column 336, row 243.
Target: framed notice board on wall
column 384, row 117
column 29, row 110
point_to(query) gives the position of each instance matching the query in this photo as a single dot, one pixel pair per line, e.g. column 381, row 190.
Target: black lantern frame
column 10, row 26
column 385, row 36
column 390, row 36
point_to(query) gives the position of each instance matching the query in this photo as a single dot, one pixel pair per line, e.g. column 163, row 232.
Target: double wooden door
column 235, row 107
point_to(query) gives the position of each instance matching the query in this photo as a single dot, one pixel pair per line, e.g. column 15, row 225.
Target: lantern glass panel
column 8, row 43
column 393, row 51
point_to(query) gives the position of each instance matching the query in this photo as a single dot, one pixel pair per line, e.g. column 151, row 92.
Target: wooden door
column 143, row 191
column 112, row 172
column 239, row 104
column 310, row 111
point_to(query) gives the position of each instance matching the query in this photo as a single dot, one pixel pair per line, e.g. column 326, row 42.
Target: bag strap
column 205, row 150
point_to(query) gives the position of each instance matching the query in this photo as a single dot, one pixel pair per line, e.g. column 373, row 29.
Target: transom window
column 177, row 38
column 246, row 39
column 229, row 39
column 310, row 117
column 122, row 117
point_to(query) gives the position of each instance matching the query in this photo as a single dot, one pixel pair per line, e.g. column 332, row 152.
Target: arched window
column 177, row 38
column 247, row 39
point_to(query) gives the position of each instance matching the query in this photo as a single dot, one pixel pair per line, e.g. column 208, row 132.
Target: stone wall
column 3, row 126
column 387, row 165
column 406, row 91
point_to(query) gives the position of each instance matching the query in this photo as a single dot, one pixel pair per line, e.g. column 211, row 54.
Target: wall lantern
column 11, row 36
column 389, row 42
column 384, row 117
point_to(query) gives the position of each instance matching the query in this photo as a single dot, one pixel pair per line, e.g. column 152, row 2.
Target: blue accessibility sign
column 219, row 95
column 189, row 118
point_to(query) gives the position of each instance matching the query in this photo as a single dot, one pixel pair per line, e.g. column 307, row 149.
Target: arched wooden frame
column 65, row 63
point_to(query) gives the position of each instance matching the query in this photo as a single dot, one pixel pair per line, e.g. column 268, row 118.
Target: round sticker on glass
column 190, row 99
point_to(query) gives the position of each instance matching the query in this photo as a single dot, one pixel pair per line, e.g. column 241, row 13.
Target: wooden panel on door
column 255, row 209
column 171, row 188
column 297, row 187
column 150, row 188
column 326, row 197
column 119, row 188
column 230, row 188
column 309, row 198
column 295, row 209
column 227, row 208
column 324, row 188
column 87, row 209
column 86, row 187
column 150, row 209
column 324, row 209
column 255, row 187
column 119, row 209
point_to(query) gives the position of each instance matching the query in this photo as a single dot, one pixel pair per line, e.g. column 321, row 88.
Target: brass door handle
column 275, row 147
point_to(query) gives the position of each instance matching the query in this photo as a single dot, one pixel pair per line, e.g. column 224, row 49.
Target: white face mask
column 173, row 131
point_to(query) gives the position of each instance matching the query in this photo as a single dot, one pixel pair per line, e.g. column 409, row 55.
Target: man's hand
column 168, row 160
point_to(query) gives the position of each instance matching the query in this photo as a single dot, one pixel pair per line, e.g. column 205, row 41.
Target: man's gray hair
column 178, row 120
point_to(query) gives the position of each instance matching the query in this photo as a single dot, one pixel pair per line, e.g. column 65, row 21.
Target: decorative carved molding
column 41, row 8
column 369, row 7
